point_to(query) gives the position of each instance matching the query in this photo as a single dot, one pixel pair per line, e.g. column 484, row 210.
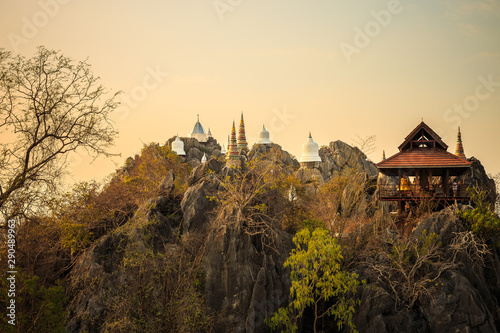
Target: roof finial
column 383, row 155
column 198, row 116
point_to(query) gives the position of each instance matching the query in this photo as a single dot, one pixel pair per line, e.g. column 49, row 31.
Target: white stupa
column 198, row 132
column 223, row 150
column 209, row 135
column 178, row 147
column 310, row 151
column 204, row 158
column 263, row 137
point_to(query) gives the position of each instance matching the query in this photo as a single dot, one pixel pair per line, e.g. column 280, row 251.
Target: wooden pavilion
column 423, row 169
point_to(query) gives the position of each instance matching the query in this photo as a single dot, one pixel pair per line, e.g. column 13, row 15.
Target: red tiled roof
column 424, row 158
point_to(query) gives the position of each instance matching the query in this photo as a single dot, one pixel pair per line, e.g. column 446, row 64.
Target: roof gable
column 423, row 136
column 424, row 158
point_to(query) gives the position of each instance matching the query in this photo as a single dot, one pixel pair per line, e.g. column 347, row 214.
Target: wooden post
column 446, row 177
column 430, row 180
column 400, row 175
column 400, row 215
column 417, row 181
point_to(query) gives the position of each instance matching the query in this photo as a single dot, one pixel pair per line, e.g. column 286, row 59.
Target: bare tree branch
column 50, row 105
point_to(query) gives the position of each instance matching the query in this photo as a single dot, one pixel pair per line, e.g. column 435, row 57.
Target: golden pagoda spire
column 460, row 148
column 232, row 148
column 242, row 139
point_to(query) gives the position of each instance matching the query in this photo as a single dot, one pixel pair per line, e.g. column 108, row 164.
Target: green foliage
column 318, row 281
column 38, row 308
column 405, row 253
column 481, row 220
column 313, row 224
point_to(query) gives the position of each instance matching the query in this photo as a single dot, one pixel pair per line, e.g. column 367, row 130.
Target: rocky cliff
column 463, row 297
column 198, row 254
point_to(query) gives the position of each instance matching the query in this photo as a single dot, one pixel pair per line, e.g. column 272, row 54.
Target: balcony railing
column 393, row 191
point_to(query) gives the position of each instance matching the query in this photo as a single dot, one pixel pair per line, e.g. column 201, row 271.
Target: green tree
column 481, row 219
column 50, row 106
column 318, row 281
column 39, row 308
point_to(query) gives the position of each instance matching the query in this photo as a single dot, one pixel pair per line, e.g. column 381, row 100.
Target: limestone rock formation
column 313, row 176
column 339, row 156
column 100, row 274
column 478, row 177
column 463, row 299
column 259, row 150
column 243, row 279
column 194, row 149
column 196, row 207
column 245, row 282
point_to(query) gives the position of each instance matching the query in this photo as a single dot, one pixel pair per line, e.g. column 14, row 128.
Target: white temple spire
column 178, row 146
column 263, row 137
column 310, row 151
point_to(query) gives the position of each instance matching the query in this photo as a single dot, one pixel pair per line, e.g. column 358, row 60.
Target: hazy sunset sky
column 340, row 69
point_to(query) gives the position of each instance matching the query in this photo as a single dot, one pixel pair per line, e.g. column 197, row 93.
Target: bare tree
column 50, row 105
column 411, row 269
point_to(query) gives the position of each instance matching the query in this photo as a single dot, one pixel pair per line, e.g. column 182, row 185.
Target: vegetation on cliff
column 161, row 247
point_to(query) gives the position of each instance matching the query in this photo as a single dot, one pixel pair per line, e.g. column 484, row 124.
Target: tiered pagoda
column 233, row 155
column 242, row 138
column 423, row 169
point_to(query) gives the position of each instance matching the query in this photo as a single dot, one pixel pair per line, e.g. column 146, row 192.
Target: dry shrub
column 255, row 197
column 409, row 270
column 165, row 293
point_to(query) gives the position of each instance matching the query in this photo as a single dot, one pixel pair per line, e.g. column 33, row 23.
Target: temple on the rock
column 242, row 139
column 237, row 145
column 198, row 132
column 310, row 154
column 423, row 169
column 263, row 137
column 178, row 147
column 233, row 155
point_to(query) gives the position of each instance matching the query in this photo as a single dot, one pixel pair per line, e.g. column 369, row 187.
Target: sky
column 344, row 70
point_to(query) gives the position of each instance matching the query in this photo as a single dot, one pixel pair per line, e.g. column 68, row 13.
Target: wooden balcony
column 412, row 192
